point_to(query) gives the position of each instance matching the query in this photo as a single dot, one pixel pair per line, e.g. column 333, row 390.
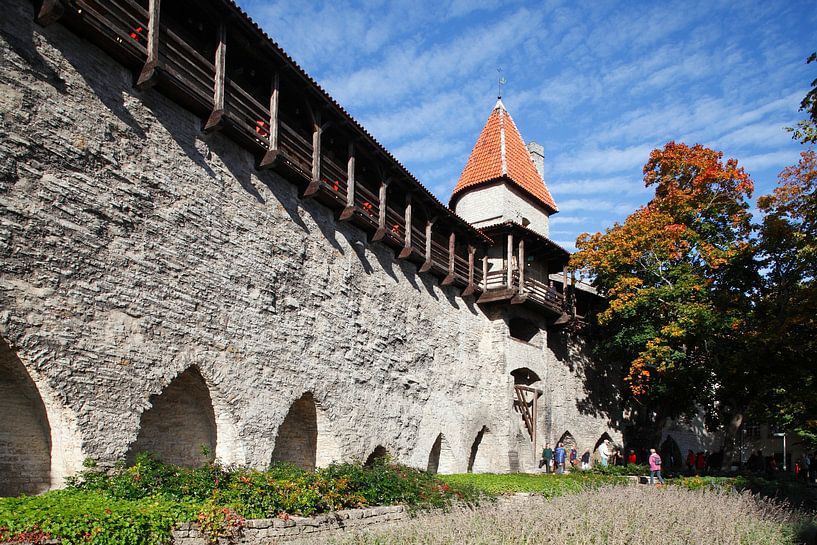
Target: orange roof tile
column 500, row 152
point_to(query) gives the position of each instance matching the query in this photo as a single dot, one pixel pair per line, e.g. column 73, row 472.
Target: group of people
column 556, row 460
column 805, row 468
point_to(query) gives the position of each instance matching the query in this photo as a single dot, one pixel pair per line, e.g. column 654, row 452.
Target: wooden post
column 564, row 284
column 313, row 186
column 350, row 185
column 272, row 153
column 50, row 11
column 452, row 240
column 521, row 259
column 427, row 264
column 509, row 272
column 469, row 289
column 535, row 411
column 147, row 77
column 485, row 272
column 406, row 251
column 215, row 121
column 381, row 211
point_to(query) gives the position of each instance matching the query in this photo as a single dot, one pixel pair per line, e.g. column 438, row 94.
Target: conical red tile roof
column 501, row 152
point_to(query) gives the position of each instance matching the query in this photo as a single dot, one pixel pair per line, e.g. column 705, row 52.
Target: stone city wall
column 148, row 270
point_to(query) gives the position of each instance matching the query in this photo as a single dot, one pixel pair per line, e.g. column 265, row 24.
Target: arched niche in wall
column 441, row 458
column 568, row 441
column 379, row 454
column 180, row 425
column 601, row 439
column 670, row 453
column 481, row 459
column 523, row 330
column 304, row 438
column 25, row 434
column 524, row 376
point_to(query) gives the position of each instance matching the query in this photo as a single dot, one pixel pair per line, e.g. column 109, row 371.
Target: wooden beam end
column 448, row 280
column 148, row 77
column 311, row 189
column 215, row 122
column 49, row 12
column 347, row 213
column 380, row 234
column 469, row 290
column 426, row 266
column 269, row 159
column 404, row 253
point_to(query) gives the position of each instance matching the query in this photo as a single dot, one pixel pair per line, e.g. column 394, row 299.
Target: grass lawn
column 549, row 485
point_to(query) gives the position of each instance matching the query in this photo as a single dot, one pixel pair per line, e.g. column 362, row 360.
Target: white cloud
column 621, row 185
column 604, row 160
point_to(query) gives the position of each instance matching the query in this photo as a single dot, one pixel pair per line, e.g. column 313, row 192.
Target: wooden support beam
column 470, row 288
column 406, row 251
column 49, row 12
column 509, row 257
column 521, row 259
column 449, row 279
column 315, row 183
column 485, row 273
column 216, row 120
column 271, row 154
column 428, row 262
column 350, row 185
column 149, row 73
column 381, row 211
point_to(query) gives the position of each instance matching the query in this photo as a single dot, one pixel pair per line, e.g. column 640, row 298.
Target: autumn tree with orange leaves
column 678, row 275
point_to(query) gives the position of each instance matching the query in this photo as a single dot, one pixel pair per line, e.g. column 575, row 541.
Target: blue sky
column 598, row 84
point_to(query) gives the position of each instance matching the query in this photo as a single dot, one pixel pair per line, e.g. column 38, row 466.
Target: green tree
column 786, row 313
column 806, row 130
column 678, row 275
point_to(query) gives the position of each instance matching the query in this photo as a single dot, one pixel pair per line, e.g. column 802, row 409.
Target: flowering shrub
column 141, row 504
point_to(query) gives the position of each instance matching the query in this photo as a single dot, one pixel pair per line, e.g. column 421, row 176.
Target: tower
column 503, row 179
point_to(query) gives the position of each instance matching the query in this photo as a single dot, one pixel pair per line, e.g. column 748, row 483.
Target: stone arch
column 481, row 458
column 522, row 329
column 603, row 436
column 670, row 453
column 568, row 440
column 25, row 433
column 378, row 454
column 179, row 423
column 304, row 437
column 441, row 459
column 524, row 376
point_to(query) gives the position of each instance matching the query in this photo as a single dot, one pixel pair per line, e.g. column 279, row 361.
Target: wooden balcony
column 258, row 97
column 532, row 291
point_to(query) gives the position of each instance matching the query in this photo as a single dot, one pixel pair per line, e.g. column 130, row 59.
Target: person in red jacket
column 631, row 458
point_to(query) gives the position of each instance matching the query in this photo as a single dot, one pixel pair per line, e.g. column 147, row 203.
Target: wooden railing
column 191, row 79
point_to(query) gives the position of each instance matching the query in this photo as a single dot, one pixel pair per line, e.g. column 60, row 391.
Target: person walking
column 560, row 458
column 574, row 455
column 586, row 459
column 547, row 456
column 604, row 452
column 655, row 467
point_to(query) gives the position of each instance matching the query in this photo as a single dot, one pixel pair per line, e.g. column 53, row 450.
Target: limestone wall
column 135, row 249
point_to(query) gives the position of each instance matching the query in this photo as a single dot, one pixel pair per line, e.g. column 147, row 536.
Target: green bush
column 140, row 504
column 79, row 517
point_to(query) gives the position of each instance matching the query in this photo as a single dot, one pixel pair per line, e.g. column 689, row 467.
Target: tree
column 787, row 308
column 677, row 276
column 806, row 130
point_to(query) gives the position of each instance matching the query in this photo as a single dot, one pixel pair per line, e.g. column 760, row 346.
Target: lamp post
column 783, row 435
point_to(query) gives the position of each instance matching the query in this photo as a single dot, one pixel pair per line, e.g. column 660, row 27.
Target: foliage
column 676, row 275
column 79, row 516
column 610, row 516
column 788, row 245
column 140, row 504
column 806, row 130
column 549, row 486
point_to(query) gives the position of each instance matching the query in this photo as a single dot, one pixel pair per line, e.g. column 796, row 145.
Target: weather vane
column 500, row 82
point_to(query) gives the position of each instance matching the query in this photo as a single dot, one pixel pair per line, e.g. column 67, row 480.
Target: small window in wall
column 523, row 330
column 525, row 222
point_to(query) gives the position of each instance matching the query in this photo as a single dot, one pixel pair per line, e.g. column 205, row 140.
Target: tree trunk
column 729, row 439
